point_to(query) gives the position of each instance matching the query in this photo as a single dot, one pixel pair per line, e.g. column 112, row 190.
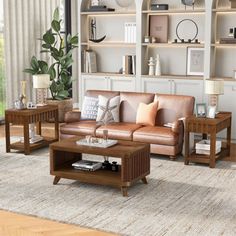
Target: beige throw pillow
column 146, row 114
column 108, row 109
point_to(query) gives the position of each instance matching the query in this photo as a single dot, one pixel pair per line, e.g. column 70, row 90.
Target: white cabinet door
column 121, row 83
column 156, row 85
column 189, row 87
column 92, row 82
column 227, row 103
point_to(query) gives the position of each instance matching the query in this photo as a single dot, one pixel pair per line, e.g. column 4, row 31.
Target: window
column 2, row 73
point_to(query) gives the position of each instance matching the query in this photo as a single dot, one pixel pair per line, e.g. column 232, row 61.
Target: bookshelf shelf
column 108, row 44
column 173, row 45
column 109, row 74
column 224, row 45
column 108, row 13
column 171, row 12
column 174, row 77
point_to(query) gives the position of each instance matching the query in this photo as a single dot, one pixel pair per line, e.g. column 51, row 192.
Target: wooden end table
column 212, row 127
column 25, row 117
column 135, row 163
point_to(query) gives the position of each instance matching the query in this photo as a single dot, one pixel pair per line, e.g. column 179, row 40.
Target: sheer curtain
column 25, row 22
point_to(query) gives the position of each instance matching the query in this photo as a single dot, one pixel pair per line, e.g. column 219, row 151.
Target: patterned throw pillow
column 108, row 109
column 89, row 108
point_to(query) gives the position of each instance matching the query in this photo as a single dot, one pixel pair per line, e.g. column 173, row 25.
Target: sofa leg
column 172, row 158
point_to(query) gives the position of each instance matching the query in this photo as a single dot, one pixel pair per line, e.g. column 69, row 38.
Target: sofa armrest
column 72, row 116
column 177, row 126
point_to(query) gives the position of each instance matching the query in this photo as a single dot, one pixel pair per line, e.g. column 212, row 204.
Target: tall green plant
column 54, row 44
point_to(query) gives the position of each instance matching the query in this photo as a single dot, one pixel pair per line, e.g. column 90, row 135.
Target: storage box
column 203, row 147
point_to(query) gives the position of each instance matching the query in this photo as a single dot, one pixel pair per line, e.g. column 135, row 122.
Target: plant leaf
column 30, row 71
column 74, row 40
column 48, row 37
column 47, row 46
column 52, row 72
column 56, row 25
column 34, row 63
column 56, row 14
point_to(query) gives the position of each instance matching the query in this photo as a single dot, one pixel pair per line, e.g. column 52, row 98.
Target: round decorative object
column 182, row 34
column 124, row 3
column 188, row 2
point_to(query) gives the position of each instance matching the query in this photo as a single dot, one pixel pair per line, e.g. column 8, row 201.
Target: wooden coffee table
column 135, row 163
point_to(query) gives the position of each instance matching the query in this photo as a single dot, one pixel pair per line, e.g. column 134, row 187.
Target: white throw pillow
column 89, row 108
column 108, row 109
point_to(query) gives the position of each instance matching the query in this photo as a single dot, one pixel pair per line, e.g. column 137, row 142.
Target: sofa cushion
column 108, row 109
column 105, row 93
column 146, row 114
column 173, row 107
column 83, row 127
column 89, row 108
column 156, row 135
column 122, row 130
column 129, row 103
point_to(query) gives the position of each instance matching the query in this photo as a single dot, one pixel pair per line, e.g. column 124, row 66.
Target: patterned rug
column 179, row 199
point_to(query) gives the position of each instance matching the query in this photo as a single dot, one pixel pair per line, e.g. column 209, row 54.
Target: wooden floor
column 19, row 225
column 12, row 224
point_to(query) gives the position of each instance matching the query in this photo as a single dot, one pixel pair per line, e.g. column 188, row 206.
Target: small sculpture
column 151, row 64
column 93, row 32
column 188, row 3
column 158, row 66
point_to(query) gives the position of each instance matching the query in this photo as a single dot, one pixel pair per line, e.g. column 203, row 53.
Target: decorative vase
column 158, row 66
column 151, row 64
column 23, row 92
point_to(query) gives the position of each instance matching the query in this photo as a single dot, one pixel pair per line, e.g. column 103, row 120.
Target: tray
column 99, row 143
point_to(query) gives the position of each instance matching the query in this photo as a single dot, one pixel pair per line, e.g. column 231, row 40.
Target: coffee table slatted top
column 121, row 149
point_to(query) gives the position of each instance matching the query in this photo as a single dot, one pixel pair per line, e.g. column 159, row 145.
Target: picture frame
column 211, row 112
column 158, row 28
column 195, row 61
column 201, row 110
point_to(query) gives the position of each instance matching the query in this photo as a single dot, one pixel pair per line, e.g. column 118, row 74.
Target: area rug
column 178, row 200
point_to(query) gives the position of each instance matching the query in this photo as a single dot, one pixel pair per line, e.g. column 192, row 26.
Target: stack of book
column 89, row 61
column 228, row 40
column 129, row 65
column 99, row 8
column 203, row 147
column 130, row 32
column 87, row 165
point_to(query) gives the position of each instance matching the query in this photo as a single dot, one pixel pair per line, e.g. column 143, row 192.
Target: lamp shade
column 41, row 81
column 214, row 86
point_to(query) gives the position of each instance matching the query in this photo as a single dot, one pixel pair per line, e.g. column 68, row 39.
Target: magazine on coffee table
column 87, row 165
column 97, row 142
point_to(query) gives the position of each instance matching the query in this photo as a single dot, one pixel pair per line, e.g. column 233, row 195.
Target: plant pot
column 63, row 106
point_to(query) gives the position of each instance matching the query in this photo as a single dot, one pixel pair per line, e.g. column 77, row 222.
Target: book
column 228, row 40
column 87, row 165
column 90, row 62
column 158, row 28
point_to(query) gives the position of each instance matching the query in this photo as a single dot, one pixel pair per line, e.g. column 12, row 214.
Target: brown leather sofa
column 163, row 140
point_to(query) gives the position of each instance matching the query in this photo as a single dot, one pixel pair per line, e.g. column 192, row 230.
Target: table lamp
column 214, row 87
column 41, row 83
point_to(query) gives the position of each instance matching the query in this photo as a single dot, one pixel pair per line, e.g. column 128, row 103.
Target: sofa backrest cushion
column 105, row 93
column 130, row 102
column 173, row 107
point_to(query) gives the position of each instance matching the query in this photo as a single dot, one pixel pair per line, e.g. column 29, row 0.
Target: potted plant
column 57, row 66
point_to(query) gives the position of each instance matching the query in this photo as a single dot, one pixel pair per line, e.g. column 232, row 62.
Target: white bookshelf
column 213, row 18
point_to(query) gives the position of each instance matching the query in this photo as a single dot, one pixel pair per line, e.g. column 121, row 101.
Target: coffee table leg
column 56, row 180
column 124, row 191
column 144, row 180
